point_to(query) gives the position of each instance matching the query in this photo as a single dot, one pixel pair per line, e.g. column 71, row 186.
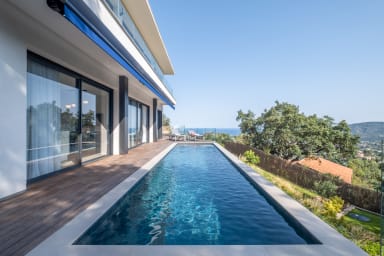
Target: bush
column 372, row 248
column 326, row 188
column 251, row 158
column 221, row 138
column 333, row 206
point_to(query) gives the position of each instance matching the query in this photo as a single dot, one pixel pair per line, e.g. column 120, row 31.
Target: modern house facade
column 80, row 79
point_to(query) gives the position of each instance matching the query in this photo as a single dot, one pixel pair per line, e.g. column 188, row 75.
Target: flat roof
column 142, row 16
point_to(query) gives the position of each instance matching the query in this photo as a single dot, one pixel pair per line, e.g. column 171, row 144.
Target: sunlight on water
column 193, row 196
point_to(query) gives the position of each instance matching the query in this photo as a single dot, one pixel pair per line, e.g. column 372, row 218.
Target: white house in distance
column 80, row 79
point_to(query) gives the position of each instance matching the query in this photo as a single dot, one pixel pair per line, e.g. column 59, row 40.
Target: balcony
column 118, row 10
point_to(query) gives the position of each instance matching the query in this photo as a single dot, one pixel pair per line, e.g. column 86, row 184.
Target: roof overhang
column 143, row 18
column 94, row 27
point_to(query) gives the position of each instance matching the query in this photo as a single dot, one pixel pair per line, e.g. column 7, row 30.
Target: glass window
column 52, row 120
column 138, row 123
column 132, row 123
column 55, row 116
column 95, row 122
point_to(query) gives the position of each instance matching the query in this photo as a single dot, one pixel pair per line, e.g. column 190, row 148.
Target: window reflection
column 52, row 118
column 132, row 123
column 95, row 122
column 138, row 123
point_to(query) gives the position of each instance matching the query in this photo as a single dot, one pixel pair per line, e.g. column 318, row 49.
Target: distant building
column 324, row 166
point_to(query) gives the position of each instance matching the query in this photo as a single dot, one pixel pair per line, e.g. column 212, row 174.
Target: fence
column 306, row 177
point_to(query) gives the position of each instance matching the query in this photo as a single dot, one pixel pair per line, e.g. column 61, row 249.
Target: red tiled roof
column 324, row 166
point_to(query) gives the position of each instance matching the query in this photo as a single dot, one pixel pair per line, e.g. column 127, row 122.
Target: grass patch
column 366, row 235
column 372, row 225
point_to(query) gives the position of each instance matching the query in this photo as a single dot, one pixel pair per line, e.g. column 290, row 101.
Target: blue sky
column 326, row 56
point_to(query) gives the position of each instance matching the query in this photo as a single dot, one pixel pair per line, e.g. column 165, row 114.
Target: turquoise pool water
column 194, row 196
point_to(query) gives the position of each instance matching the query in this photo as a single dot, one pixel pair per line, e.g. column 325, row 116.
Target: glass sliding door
column 52, row 120
column 138, row 124
column 94, row 122
column 68, row 119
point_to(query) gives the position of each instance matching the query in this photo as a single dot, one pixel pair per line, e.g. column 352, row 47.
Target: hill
column 368, row 131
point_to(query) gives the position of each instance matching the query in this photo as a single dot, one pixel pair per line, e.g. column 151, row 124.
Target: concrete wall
column 13, row 89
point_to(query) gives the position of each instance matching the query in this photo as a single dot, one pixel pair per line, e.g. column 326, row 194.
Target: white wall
column 19, row 33
column 13, row 101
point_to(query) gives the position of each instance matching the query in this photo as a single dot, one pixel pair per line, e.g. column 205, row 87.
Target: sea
column 230, row 131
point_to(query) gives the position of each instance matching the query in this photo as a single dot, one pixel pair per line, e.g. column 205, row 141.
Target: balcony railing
column 125, row 20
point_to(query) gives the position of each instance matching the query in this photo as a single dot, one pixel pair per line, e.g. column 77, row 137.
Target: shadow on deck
column 29, row 218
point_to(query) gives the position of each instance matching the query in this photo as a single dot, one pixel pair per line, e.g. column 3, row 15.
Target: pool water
column 193, row 196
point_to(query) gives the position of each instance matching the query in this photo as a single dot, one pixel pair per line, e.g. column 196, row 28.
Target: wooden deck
column 29, row 218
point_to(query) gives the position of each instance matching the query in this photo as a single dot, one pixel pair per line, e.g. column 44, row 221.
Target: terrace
column 30, row 217
column 70, row 201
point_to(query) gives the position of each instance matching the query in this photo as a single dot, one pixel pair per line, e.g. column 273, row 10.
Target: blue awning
column 76, row 20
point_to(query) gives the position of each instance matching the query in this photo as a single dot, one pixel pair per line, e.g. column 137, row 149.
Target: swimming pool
column 62, row 242
column 194, row 196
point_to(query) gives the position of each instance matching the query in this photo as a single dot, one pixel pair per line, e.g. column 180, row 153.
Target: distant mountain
column 369, row 131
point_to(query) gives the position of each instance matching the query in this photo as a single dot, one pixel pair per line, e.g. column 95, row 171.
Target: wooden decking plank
column 29, row 218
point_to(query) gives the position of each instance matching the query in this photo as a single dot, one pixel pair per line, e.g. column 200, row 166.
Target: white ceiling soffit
column 141, row 13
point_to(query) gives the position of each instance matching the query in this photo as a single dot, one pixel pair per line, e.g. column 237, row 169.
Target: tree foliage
column 365, row 172
column 326, row 188
column 220, row 138
column 166, row 120
column 283, row 131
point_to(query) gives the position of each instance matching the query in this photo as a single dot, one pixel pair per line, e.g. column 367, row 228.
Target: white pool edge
column 61, row 242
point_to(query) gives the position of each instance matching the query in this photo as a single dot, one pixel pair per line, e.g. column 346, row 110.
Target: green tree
column 166, row 120
column 69, row 121
column 345, row 143
column 89, row 120
column 220, row 138
column 275, row 131
column 283, row 131
column 365, row 172
column 247, row 126
column 88, row 126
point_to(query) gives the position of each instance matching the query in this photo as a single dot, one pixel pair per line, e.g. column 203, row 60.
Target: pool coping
column 61, row 242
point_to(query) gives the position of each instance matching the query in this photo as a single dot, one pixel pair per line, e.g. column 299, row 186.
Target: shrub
column 251, row 158
column 372, row 248
column 326, row 188
column 333, row 206
column 221, row 138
